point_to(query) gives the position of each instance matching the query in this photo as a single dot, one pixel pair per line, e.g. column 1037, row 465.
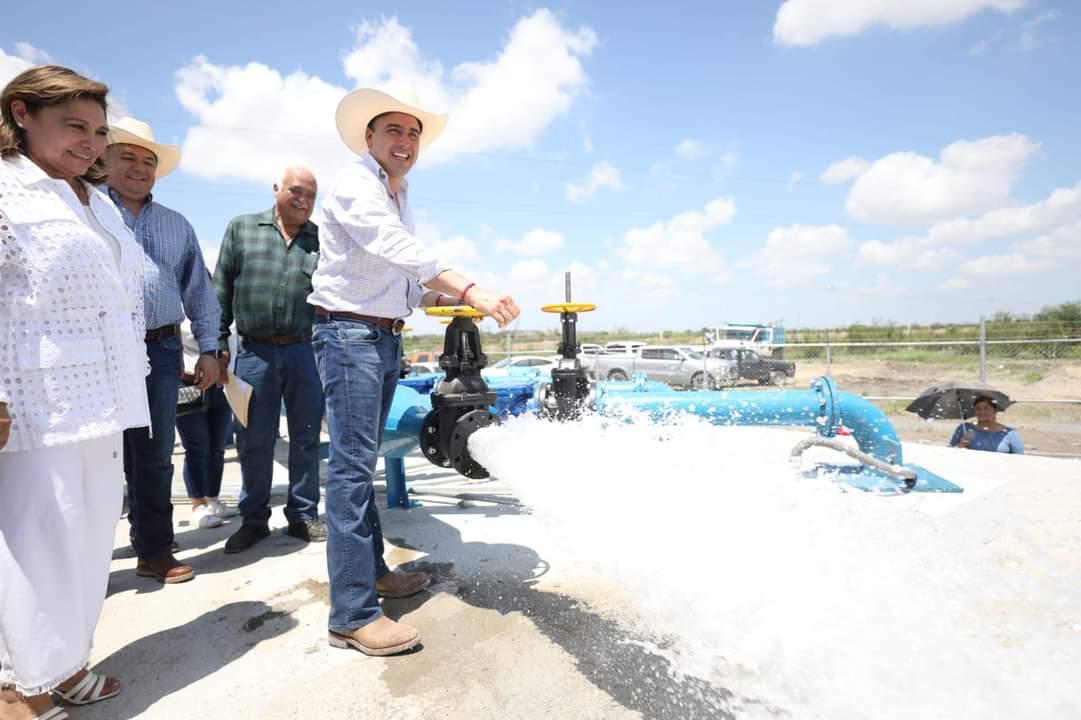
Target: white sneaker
column 205, row 518
column 220, row 509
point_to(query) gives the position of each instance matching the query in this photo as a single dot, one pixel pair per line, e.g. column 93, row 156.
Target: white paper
column 238, row 395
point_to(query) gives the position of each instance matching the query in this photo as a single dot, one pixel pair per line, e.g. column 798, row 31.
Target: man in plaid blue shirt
column 175, row 283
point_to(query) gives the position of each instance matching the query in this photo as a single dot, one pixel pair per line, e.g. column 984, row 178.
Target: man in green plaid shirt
column 263, row 279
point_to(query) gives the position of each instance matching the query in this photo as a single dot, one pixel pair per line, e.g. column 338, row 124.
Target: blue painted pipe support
column 400, row 437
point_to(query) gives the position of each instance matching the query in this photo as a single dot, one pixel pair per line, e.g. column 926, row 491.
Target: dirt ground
column 1047, row 413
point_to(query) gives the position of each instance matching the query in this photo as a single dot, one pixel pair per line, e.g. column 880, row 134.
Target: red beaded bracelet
column 470, row 286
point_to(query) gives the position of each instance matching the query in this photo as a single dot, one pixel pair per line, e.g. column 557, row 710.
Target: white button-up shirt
column 370, row 260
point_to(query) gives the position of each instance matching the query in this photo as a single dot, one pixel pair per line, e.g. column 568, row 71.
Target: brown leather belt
column 395, row 325
column 158, row 333
column 277, row 339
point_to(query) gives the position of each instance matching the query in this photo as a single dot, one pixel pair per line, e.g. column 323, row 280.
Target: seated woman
column 987, row 434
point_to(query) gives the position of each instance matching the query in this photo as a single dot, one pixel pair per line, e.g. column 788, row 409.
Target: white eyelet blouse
column 72, row 354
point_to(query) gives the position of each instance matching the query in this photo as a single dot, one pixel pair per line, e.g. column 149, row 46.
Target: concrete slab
column 515, row 625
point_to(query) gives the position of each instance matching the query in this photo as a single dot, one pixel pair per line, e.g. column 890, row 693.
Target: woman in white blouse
column 72, row 367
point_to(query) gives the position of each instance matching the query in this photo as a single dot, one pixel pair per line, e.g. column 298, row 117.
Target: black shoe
column 245, row 537
column 307, row 530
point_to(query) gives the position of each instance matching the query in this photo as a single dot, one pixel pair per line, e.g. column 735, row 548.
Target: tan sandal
column 90, row 689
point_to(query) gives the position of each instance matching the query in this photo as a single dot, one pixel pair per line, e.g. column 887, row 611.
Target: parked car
column 424, row 356
column 517, row 364
column 422, row 368
column 590, row 349
column 623, row 346
column 752, row 366
column 676, row 366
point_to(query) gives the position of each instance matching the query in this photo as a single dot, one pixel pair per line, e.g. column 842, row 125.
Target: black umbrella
column 955, row 400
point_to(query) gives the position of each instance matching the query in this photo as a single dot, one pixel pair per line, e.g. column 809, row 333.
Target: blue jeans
column 358, row 364
column 148, row 461
column 203, row 436
column 276, row 373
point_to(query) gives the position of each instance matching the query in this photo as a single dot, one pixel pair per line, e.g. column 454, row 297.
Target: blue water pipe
column 822, row 406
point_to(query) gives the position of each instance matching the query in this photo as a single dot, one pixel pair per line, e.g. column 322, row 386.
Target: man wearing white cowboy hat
column 372, row 273
column 176, row 283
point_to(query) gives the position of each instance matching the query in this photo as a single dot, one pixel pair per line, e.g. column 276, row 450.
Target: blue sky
column 813, row 161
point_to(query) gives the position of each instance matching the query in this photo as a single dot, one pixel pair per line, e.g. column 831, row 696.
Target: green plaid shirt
column 261, row 282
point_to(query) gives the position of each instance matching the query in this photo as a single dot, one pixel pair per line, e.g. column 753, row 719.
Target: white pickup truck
column 676, row 366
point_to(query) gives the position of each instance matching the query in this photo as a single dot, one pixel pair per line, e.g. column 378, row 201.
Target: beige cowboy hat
column 129, row 131
column 358, row 108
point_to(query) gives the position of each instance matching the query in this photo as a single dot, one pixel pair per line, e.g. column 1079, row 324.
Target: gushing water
column 780, row 587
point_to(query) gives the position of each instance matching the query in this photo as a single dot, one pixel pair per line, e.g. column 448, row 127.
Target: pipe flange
column 460, row 458
column 429, row 440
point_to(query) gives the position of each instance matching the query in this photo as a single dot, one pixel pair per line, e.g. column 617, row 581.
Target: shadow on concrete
column 211, row 560
column 618, row 661
column 171, row 660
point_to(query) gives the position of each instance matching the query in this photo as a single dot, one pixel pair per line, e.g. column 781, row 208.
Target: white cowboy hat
column 129, row 131
column 358, row 108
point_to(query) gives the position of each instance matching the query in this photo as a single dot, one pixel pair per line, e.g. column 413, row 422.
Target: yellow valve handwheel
column 454, row 311
column 569, row 308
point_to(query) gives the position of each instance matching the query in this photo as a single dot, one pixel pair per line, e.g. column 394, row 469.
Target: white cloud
column 584, row 282
column 603, row 175
column 12, row 65
column 33, row 55
column 657, row 284
column 803, row 23
column 1030, row 30
column 993, row 265
column 799, row 253
column 801, row 241
column 1062, row 243
column 680, row 242
column 654, row 284
column 794, row 179
column 1057, row 218
column 970, row 176
column 455, row 251
column 908, row 253
column 27, row 56
column 690, row 149
column 727, row 163
column 844, row 171
column 253, row 121
column 1062, row 206
column 535, row 242
column 529, row 274
column 504, row 102
column 956, row 283
column 210, row 254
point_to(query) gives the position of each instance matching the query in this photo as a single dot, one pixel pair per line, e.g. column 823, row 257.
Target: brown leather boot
column 401, row 584
column 166, row 569
column 379, row 638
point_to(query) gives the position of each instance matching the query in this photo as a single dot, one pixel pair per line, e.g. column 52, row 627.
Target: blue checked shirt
column 176, row 283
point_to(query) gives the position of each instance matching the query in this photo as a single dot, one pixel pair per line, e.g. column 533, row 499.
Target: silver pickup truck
column 677, row 366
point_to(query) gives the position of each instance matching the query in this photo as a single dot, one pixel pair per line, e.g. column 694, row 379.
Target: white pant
column 58, row 513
